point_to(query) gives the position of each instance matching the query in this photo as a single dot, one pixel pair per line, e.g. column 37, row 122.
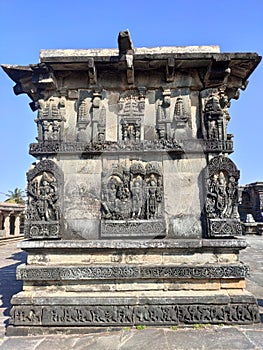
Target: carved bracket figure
column 221, row 205
column 216, row 116
column 44, row 201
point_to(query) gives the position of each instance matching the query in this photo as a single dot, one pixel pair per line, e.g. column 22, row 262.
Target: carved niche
column 131, row 113
column 181, row 119
column 221, row 205
column 132, row 200
column 44, row 201
column 92, row 112
column 163, row 115
column 50, row 119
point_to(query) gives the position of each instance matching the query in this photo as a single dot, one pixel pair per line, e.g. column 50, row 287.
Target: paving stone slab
column 214, row 339
column 94, row 342
column 153, row 339
column 21, row 343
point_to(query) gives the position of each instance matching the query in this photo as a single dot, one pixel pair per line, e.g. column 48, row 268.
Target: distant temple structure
column 251, row 208
column 12, row 218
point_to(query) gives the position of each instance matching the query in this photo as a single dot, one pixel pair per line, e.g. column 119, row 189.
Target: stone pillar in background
column 132, row 212
column 7, row 224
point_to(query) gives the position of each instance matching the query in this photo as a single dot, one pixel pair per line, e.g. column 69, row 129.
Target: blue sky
column 29, row 25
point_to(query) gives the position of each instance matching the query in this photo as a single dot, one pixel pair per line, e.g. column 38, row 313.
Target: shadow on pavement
column 8, row 283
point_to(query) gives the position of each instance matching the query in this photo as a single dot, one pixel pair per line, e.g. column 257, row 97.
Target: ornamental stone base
column 115, row 283
column 50, row 313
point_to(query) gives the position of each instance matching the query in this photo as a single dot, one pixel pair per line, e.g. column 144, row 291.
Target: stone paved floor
column 212, row 337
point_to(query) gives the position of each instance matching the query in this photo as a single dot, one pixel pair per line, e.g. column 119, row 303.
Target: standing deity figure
column 163, row 115
column 214, row 119
column 152, row 197
column 42, row 198
column 222, row 196
column 137, row 190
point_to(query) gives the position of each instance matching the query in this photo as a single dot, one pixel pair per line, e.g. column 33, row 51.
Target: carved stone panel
column 132, row 272
column 221, row 206
column 44, row 201
column 215, row 120
column 50, row 119
column 106, row 315
column 131, row 112
column 132, row 197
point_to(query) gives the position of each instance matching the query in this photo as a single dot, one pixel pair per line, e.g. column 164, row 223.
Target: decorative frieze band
column 142, row 228
column 224, row 227
column 218, row 146
column 51, row 147
column 106, row 146
column 130, row 272
column 106, row 315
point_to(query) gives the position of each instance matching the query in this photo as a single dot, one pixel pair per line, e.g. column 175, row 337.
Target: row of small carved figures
column 155, row 314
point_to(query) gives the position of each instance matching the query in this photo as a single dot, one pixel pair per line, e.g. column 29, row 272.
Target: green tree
column 16, row 196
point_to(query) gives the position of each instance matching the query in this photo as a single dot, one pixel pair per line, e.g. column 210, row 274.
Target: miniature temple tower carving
column 50, row 119
column 131, row 112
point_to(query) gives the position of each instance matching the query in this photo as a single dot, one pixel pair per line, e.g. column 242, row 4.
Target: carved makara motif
column 134, row 192
column 221, row 206
column 43, row 212
column 131, row 112
column 50, row 119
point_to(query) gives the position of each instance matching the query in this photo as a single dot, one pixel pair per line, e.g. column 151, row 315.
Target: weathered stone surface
column 131, row 272
column 133, row 184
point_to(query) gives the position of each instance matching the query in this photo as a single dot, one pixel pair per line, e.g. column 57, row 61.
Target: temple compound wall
column 132, row 213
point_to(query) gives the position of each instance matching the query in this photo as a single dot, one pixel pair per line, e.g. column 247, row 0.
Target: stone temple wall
column 132, row 211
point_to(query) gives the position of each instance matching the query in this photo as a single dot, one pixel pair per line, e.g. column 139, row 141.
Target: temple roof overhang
column 213, row 67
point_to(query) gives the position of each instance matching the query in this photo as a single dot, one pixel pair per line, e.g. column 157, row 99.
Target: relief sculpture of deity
column 132, row 193
column 42, row 192
column 221, row 204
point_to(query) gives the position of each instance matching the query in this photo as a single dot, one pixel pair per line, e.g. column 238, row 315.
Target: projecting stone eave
column 215, row 68
column 17, row 72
